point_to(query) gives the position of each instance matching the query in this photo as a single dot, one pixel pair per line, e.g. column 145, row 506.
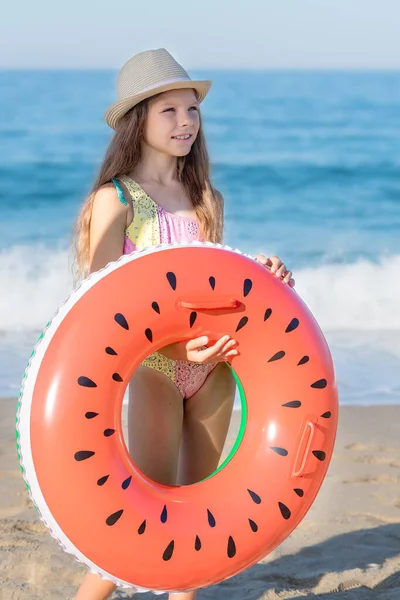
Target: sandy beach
column 347, row 547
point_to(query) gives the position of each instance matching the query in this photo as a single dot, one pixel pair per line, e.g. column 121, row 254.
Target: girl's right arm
column 107, row 227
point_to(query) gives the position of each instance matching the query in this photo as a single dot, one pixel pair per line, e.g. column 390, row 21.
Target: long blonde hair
column 122, row 156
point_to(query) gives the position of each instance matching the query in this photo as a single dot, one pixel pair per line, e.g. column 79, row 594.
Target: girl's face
column 173, row 122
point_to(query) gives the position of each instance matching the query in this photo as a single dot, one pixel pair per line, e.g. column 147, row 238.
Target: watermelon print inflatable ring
column 95, row 501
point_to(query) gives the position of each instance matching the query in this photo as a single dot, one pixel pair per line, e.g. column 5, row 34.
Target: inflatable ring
column 96, row 502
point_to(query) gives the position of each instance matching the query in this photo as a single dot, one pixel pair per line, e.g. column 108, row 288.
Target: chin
column 183, row 152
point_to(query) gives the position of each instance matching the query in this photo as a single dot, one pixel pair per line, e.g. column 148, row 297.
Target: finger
column 287, row 277
column 262, row 259
column 292, row 283
column 275, row 263
column 280, row 271
column 196, row 343
column 214, row 350
column 227, row 355
column 232, row 353
column 228, row 346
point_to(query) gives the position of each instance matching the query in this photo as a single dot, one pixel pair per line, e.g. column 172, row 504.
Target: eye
column 194, row 108
column 168, row 109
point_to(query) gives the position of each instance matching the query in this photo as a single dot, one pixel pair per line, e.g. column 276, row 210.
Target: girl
column 154, row 187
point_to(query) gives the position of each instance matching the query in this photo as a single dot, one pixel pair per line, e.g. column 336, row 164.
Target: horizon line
column 215, row 69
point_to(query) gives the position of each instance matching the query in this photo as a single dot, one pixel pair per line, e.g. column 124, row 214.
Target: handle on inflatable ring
column 310, row 426
column 216, row 304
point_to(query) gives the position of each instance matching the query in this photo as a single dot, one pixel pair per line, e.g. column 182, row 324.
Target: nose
column 185, row 118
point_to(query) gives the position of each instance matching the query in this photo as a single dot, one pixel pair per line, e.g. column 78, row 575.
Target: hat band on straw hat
column 166, row 82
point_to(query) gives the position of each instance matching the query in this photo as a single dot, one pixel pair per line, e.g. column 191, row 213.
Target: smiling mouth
column 185, row 137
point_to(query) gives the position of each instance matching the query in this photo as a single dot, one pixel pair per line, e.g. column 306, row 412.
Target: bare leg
column 206, row 422
column 154, row 429
column 155, row 418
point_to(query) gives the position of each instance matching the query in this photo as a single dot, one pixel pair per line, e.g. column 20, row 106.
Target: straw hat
column 146, row 74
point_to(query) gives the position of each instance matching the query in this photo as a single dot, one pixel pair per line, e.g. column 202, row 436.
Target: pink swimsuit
column 151, row 226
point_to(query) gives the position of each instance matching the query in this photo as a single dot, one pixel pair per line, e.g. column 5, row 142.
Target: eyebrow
column 171, row 103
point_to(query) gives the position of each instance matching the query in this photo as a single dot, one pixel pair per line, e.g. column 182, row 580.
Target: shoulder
column 112, row 202
column 109, row 195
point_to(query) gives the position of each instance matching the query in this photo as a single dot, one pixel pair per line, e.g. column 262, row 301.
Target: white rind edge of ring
column 27, row 385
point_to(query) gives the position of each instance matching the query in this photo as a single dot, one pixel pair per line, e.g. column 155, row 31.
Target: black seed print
column 231, row 547
column 149, row 334
column 284, row 511
column 255, row 497
column 327, row 415
column 299, row 492
column 108, row 432
column 155, row 307
column 292, row 404
column 303, row 360
column 211, row 520
column 197, row 543
column 277, row 356
column 86, row 382
column 112, row 519
column 193, row 317
column 102, row 480
column 212, row 282
column 243, row 321
column 117, row 377
column 294, row 323
column 320, row 454
column 120, row 319
column 267, row 314
column 142, row 528
column 111, row 351
column 164, row 515
column 83, row 455
column 248, row 284
column 320, row 384
column 168, row 551
column 253, row 525
column 126, row 483
column 280, row 451
column 172, row 280
column 91, row 415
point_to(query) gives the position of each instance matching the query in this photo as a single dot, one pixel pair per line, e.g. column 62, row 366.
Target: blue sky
column 202, row 34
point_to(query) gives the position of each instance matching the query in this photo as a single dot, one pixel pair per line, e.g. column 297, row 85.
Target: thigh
column 155, row 416
column 206, row 422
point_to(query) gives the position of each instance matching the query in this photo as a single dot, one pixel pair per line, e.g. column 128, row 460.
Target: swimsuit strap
column 119, row 191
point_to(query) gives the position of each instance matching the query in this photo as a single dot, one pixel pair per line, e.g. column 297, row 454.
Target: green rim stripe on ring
column 242, row 428
column 17, row 434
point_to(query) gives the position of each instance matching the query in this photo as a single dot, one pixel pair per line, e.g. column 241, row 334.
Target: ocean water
column 309, row 165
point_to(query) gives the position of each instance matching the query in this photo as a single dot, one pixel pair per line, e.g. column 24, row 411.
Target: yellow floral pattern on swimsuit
column 159, row 362
column 145, row 229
